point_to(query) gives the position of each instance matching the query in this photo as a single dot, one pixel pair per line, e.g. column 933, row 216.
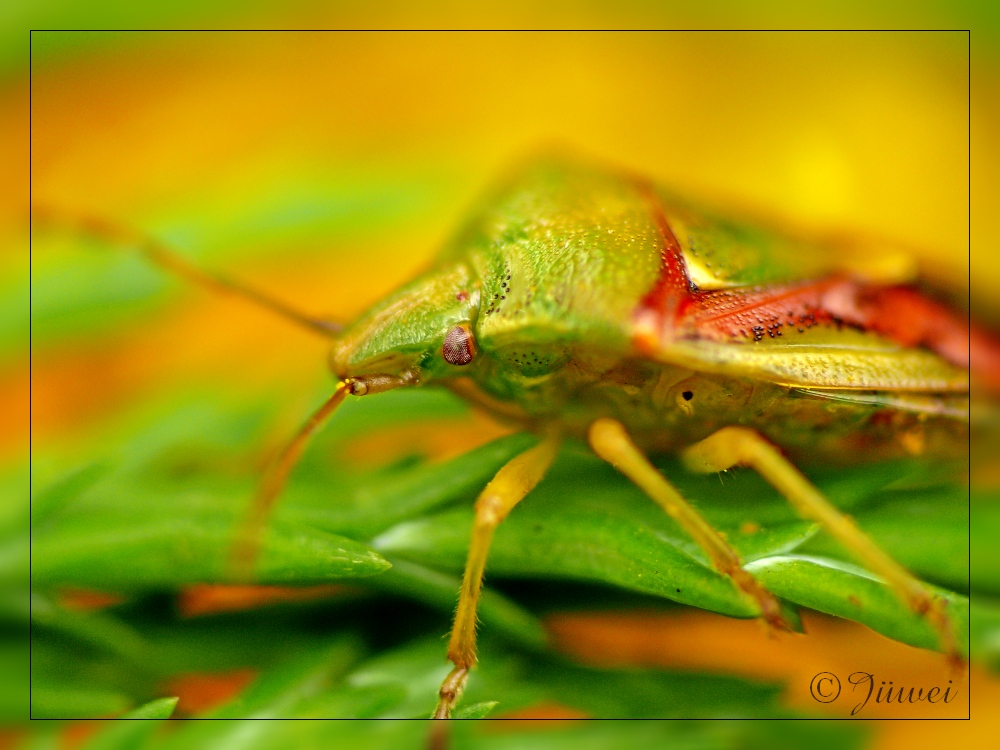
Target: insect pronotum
column 584, row 302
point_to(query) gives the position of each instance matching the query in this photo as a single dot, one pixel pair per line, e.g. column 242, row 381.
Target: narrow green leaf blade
column 476, row 710
column 161, row 708
column 168, row 554
column 845, row 590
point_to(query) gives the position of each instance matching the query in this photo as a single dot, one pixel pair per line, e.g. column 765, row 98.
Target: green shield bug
column 580, row 302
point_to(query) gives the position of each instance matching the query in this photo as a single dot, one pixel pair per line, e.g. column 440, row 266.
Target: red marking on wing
column 905, row 315
column 756, row 313
column 912, row 319
column 673, row 285
column 984, row 357
column 899, row 313
column 673, row 309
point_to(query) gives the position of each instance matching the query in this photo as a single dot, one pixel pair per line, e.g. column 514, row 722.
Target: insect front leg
column 733, row 446
column 510, row 485
column 610, row 441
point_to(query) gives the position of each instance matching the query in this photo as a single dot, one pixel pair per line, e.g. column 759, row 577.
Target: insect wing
column 821, row 358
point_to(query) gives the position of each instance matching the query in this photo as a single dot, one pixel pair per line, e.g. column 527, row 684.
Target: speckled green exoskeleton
column 584, row 302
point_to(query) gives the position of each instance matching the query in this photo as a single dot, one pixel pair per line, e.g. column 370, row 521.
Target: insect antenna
column 248, row 540
column 108, row 232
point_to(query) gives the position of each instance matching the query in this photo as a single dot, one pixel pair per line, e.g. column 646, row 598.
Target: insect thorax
column 667, row 408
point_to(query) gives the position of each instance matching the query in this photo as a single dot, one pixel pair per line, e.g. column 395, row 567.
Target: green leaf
column 476, row 710
column 301, row 554
column 586, row 545
column 440, row 591
column 157, row 552
column 517, row 681
column 127, row 735
column 15, row 683
column 363, row 506
column 898, row 522
column 161, row 708
column 73, row 679
column 278, row 693
column 280, row 735
column 146, row 526
column 54, row 497
column 845, row 590
column 163, row 513
column 584, row 522
column 69, row 701
column 985, row 622
column 984, row 530
column 96, row 629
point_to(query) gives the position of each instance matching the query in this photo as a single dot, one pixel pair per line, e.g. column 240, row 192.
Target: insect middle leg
column 510, row 485
column 733, row 446
column 610, row 441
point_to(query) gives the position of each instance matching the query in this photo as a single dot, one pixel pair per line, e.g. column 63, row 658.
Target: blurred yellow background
column 312, row 160
column 864, row 131
column 329, row 167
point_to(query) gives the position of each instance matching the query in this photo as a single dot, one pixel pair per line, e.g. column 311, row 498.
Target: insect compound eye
column 459, row 345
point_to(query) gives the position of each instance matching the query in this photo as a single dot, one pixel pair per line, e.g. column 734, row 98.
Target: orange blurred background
column 239, row 147
column 329, row 167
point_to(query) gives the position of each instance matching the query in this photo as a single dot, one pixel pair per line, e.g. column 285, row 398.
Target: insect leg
column 514, row 480
column 611, row 442
column 248, row 540
column 731, row 446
